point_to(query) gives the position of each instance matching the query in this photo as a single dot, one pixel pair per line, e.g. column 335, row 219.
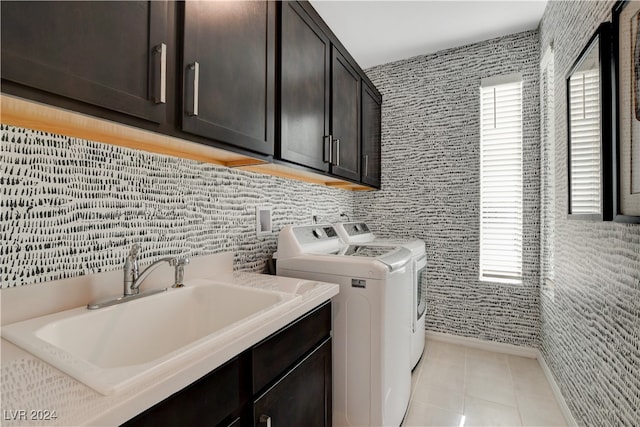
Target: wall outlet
column 263, row 220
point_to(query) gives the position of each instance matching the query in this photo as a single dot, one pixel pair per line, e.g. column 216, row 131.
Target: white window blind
column 584, row 97
column 501, row 180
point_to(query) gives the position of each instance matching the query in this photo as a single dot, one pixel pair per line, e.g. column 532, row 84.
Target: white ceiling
column 377, row 32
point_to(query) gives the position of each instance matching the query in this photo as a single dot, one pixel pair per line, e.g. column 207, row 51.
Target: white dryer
column 371, row 333
column 358, row 233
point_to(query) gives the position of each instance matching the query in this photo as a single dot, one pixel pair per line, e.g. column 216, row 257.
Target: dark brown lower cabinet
column 256, row 388
column 302, row 397
column 210, row 401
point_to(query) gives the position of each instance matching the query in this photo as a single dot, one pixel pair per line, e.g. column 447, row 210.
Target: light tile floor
column 461, row 386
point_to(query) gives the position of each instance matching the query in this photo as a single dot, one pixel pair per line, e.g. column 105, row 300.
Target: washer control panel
column 314, row 233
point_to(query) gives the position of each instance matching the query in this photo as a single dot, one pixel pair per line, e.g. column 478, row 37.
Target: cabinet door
column 302, row 397
column 345, row 118
column 109, row 54
column 229, row 72
column 304, row 124
column 371, row 136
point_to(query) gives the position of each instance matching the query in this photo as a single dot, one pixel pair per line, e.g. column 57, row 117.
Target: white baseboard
column 513, row 350
column 498, row 347
column 568, row 416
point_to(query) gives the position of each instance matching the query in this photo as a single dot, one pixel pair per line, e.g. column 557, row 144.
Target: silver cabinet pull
column 265, row 420
column 366, row 165
column 327, row 154
column 337, row 163
column 195, row 67
column 160, row 96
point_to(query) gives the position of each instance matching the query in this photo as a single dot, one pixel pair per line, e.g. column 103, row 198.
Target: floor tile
column 493, row 390
column 442, row 397
column 489, row 369
column 447, row 353
column 497, row 390
column 540, row 412
column 479, row 412
column 528, row 378
column 532, row 386
column 477, row 354
column 524, row 366
column 423, row 415
column 439, row 373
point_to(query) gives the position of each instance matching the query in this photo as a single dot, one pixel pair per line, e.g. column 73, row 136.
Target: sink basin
column 114, row 347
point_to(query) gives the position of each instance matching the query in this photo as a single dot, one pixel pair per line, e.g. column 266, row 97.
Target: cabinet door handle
column 337, row 163
column 160, row 96
column 265, row 420
column 327, row 155
column 366, row 165
column 195, row 67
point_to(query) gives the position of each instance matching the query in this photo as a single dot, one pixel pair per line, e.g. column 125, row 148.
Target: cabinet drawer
column 206, row 402
column 281, row 350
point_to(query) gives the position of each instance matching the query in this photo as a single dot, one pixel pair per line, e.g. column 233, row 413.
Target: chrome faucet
column 133, row 278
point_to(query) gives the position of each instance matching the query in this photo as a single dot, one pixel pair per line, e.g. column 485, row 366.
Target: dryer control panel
column 356, row 228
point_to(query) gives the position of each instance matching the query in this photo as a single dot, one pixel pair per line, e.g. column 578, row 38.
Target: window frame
column 603, row 36
column 485, row 273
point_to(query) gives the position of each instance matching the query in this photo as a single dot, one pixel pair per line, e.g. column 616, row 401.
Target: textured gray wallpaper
column 590, row 323
column 431, row 182
column 71, row 207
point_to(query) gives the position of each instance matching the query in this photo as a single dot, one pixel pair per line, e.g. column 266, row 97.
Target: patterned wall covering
column 431, row 182
column 71, row 207
column 590, row 323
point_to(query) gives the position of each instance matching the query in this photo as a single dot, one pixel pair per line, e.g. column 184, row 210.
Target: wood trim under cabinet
column 33, row 115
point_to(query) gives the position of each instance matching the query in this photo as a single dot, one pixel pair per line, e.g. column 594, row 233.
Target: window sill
column 501, row 280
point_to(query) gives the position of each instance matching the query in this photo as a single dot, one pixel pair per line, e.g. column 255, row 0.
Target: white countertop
column 32, row 389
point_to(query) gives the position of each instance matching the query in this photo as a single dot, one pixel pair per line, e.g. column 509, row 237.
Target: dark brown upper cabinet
column 229, row 72
column 345, row 118
column 264, row 79
column 305, row 84
column 321, row 105
column 371, row 136
column 108, row 54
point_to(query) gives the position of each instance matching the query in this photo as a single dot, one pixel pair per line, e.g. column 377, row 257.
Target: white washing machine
column 371, row 333
column 358, row 233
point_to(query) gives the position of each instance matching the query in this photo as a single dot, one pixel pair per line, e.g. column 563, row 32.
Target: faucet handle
column 133, row 258
column 133, row 253
column 179, row 264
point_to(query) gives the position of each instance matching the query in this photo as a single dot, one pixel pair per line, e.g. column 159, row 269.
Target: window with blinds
column 501, row 179
column 584, row 105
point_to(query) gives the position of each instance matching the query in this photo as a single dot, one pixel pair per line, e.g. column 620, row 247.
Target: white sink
column 112, row 348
